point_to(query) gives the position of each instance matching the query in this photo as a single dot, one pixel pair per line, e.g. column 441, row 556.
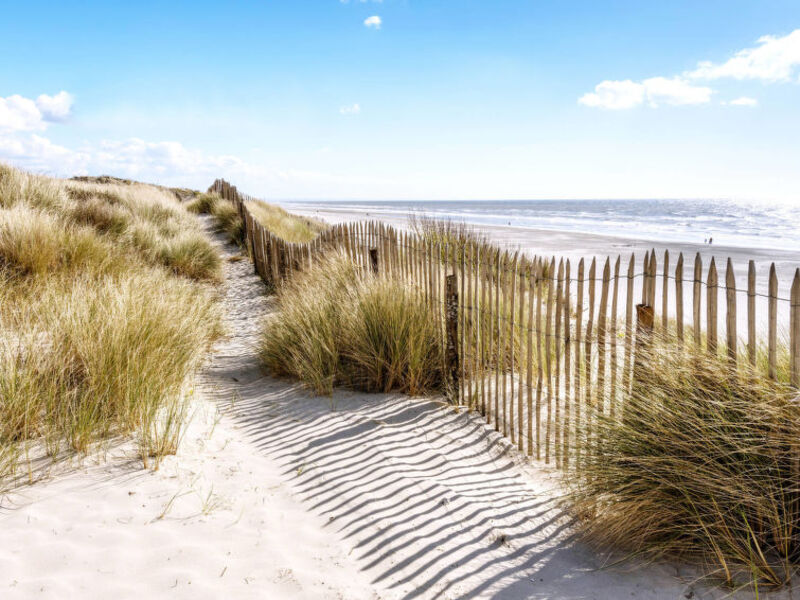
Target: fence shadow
column 432, row 502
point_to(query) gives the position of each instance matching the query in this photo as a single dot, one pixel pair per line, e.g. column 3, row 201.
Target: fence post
column 451, row 358
column 645, row 315
column 373, row 260
column 794, row 331
column 730, row 295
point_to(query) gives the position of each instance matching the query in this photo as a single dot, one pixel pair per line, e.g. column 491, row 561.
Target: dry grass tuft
column 336, row 325
column 285, row 225
column 102, row 315
column 705, row 465
column 224, row 212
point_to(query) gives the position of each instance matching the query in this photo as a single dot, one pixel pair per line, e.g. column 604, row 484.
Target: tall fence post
column 645, row 316
column 373, row 260
column 451, row 358
column 794, row 331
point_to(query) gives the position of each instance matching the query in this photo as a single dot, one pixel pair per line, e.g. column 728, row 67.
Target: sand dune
column 276, row 494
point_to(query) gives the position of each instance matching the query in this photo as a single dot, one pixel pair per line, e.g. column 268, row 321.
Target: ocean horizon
column 723, row 222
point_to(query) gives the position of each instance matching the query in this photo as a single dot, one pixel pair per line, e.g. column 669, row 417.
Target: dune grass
column 105, row 310
column 337, row 325
column 224, row 212
column 703, row 465
column 285, row 225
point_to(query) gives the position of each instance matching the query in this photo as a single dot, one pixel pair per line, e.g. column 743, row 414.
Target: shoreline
column 573, row 246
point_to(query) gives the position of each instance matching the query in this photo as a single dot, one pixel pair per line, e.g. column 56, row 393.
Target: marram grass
column 336, row 325
column 287, row 226
column 104, row 313
column 283, row 224
column 703, row 464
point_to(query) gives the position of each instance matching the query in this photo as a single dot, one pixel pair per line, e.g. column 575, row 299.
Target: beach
column 575, row 245
column 276, row 493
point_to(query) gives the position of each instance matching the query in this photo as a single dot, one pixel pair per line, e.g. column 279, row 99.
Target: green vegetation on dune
column 225, row 215
column 703, row 464
column 336, row 325
column 280, row 223
column 285, row 225
column 105, row 310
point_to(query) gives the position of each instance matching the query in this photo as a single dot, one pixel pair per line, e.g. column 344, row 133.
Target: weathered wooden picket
column 531, row 346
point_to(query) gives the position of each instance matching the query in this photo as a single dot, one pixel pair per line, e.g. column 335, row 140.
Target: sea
column 725, row 223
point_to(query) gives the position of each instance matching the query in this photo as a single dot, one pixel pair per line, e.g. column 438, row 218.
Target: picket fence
column 534, row 343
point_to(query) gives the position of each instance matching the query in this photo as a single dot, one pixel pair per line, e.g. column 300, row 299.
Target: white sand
column 275, row 494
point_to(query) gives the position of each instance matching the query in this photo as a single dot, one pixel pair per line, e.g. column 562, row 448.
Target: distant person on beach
column 710, row 240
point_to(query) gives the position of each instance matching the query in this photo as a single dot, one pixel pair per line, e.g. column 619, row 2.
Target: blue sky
column 411, row 98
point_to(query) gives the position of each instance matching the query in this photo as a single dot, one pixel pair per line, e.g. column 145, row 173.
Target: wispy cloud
column 655, row 91
column 373, row 22
column 743, row 101
column 351, row 109
column 18, row 113
column 168, row 162
column 775, row 59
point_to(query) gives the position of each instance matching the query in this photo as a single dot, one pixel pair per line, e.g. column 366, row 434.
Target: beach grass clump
column 190, row 255
column 143, row 220
column 287, row 226
column 704, row 464
column 225, row 214
column 95, row 357
column 228, row 220
column 105, row 310
column 456, row 236
column 203, row 203
column 337, row 325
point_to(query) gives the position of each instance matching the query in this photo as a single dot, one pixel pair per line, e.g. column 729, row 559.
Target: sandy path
column 275, row 494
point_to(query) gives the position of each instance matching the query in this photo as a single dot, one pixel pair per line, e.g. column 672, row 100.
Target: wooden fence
column 535, row 343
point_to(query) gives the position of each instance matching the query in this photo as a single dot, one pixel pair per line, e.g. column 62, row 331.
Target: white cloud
column 20, row 114
column 171, row 163
column 352, row 109
column 625, row 94
column 775, row 59
column 373, row 21
column 23, row 114
column 743, row 101
column 39, row 154
column 614, row 95
column 675, row 91
column 55, row 108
